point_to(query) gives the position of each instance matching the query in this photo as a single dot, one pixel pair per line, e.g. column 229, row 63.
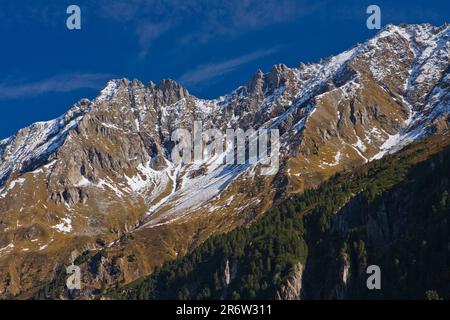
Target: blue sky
column 210, row 47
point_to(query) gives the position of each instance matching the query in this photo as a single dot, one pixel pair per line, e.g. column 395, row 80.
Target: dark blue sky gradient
column 211, row 47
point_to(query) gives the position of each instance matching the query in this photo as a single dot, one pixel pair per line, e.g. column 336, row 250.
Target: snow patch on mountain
column 65, row 226
column 109, row 91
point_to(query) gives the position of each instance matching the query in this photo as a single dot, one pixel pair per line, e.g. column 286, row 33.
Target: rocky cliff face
column 104, row 169
column 291, row 290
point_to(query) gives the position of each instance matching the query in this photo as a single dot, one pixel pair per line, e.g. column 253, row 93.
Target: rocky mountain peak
column 275, row 77
column 264, row 84
column 257, row 82
column 171, row 91
column 111, row 89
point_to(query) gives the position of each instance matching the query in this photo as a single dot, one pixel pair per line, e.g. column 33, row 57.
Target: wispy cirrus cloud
column 12, row 89
column 216, row 69
column 147, row 32
column 201, row 21
column 237, row 17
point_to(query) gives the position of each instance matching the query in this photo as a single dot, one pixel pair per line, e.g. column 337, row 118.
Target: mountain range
column 98, row 187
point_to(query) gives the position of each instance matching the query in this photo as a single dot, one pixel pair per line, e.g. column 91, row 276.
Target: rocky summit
column 98, row 185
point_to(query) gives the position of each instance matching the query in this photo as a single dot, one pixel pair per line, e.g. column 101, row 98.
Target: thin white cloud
column 60, row 83
column 213, row 70
column 147, row 32
column 201, row 21
column 237, row 17
column 120, row 10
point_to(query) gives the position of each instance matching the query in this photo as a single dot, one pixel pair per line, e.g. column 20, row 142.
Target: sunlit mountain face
column 224, row 150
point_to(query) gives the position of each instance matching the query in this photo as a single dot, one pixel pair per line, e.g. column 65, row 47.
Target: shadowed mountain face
column 102, row 174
